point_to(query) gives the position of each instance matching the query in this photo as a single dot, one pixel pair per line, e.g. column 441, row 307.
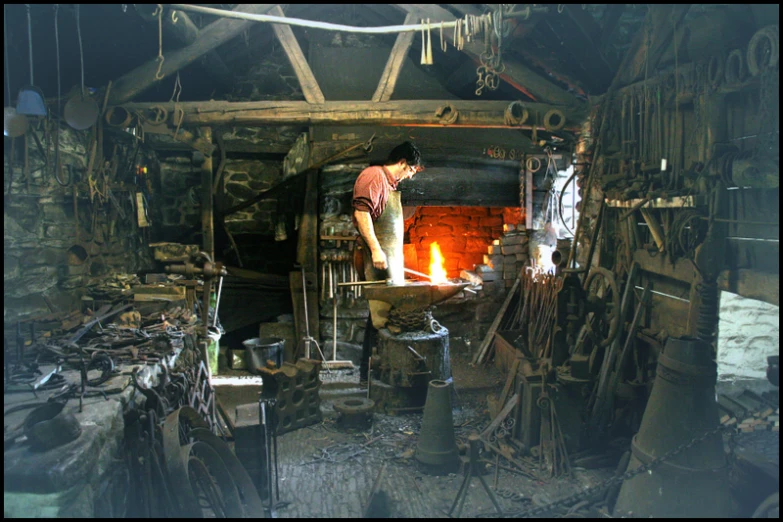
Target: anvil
column 414, row 295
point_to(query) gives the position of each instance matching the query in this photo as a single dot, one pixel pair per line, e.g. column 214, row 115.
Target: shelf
column 675, row 202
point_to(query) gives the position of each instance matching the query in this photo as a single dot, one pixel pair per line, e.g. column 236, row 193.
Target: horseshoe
column 447, row 114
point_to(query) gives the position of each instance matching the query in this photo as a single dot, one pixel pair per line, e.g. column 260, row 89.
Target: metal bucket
column 14, row 125
column 81, row 112
column 259, row 350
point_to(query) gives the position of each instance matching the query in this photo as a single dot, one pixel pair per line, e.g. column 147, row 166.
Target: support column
column 207, row 209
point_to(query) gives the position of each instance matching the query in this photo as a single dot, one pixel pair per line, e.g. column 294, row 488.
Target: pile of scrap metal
column 180, row 468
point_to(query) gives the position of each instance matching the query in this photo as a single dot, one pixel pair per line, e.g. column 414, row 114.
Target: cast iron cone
column 437, row 449
column 681, row 407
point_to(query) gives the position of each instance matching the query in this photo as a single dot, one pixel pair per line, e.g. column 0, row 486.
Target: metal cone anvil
column 413, row 295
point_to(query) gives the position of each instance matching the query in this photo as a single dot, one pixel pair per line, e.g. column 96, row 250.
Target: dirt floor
column 326, row 471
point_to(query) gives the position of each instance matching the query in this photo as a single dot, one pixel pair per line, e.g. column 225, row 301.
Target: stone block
column 509, row 283
column 510, row 273
column 435, row 211
column 509, row 260
column 513, row 249
column 455, row 220
column 522, row 257
column 495, row 211
column 508, row 227
column 471, row 276
column 433, row 230
column 513, row 239
column 475, row 245
column 491, row 221
column 490, row 276
column 429, row 220
column 470, row 260
column 493, row 250
column 473, row 211
column 494, row 261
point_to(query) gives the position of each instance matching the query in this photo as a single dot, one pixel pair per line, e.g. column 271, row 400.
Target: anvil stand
column 473, row 468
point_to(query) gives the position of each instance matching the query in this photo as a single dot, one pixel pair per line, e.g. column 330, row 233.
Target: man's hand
column 379, row 260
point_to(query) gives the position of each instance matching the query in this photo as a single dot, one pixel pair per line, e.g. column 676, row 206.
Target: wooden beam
column 662, row 19
column 394, row 65
column 518, row 75
column 145, row 76
column 310, row 89
column 207, row 211
column 405, row 113
column 611, row 19
column 179, row 26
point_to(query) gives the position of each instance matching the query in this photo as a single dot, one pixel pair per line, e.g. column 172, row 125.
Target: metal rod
column 217, row 302
column 307, row 323
column 417, row 273
column 334, row 330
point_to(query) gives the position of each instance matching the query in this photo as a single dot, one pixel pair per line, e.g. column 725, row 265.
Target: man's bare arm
column 364, row 221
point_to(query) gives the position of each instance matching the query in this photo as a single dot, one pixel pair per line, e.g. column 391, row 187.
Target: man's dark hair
column 407, row 151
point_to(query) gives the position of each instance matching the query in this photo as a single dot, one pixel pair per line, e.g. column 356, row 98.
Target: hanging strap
column 5, row 48
column 30, row 41
column 81, row 49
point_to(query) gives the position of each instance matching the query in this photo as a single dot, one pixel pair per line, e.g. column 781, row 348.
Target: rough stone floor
column 315, row 486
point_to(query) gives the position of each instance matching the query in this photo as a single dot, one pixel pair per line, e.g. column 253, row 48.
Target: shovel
column 30, row 101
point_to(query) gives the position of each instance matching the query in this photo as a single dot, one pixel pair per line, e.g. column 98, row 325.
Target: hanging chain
column 492, row 65
column 619, row 479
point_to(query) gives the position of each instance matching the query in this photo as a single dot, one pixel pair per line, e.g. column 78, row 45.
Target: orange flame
column 437, row 268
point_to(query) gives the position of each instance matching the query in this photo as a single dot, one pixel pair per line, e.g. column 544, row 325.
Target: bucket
column 259, row 350
column 213, row 350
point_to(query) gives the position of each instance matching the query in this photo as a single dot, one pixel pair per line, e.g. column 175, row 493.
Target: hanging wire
column 5, row 48
column 30, row 41
column 57, row 123
column 81, row 49
column 159, row 13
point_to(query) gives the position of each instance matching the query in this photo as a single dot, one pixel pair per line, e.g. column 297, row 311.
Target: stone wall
column 463, row 234
column 47, row 263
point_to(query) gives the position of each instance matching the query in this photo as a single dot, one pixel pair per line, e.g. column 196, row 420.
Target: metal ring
column 533, row 160
column 447, row 114
column 771, row 34
column 715, row 70
column 734, row 70
column 548, row 120
column 112, row 118
column 510, row 113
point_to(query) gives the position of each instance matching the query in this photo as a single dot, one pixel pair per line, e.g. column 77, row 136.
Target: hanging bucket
column 81, row 112
column 30, row 102
column 14, row 125
column 259, row 350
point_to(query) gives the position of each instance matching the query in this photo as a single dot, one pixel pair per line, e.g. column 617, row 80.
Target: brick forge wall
column 463, row 234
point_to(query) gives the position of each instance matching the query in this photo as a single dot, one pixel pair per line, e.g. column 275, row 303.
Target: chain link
column 619, row 479
column 411, row 321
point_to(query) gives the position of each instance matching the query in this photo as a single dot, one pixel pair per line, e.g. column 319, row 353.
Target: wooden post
column 207, row 211
column 306, row 254
column 394, row 65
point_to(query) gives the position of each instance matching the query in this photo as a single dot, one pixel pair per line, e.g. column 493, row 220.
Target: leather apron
column 390, row 231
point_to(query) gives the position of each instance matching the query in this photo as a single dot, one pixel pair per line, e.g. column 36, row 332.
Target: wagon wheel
column 603, row 305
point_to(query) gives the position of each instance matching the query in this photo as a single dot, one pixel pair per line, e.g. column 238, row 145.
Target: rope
column 81, row 49
column 57, row 134
column 393, row 29
column 159, row 13
column 30, row 41
column 5, row 49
